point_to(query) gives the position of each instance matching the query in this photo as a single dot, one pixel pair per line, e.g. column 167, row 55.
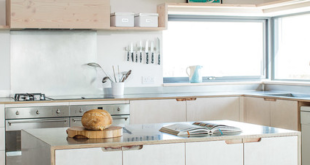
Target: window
column 292, row 48
column 227, row 49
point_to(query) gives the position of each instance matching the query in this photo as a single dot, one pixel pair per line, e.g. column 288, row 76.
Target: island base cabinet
column 272, row 151
column 214, row 153
column 161, row 154
column 87, row 156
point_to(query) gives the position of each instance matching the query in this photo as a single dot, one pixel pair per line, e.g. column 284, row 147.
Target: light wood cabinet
column 87, row 156
column 157, row 111
column 272, row 151
column 214, row 153
column 59, row 14
column 257, row 111
column 165, row 154
column 214, row 108
column 272, row 112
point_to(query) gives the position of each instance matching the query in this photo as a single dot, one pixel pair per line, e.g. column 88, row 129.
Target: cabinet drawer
column 165, row 154
column 87, row 156
column 216, row 152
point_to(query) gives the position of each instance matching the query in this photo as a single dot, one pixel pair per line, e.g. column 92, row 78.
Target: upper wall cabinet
column 58, row 14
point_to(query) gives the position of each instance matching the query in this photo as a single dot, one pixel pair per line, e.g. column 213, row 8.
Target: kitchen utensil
column 194, row 74
column 152, row 51
column 126, row 76
column 158, row 50
column 93, row 64
column 131, row 51
column 82, row 133
column 147, row 52
column 140, row 45
column 104, row 80
column 114, row 74
column 137, row 47
column 128, row 53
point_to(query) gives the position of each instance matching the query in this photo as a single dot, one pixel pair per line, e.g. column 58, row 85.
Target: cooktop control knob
column 81, row 111
column 58, row 111
column 37, row 112
column 118, row 109
column 17, row 113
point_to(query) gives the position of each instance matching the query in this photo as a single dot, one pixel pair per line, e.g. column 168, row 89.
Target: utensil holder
column 118, row 89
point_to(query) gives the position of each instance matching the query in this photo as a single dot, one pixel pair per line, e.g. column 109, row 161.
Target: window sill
column 296, row 83
column 211, row 83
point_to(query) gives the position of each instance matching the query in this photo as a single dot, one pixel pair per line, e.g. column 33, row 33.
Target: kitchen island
column 144, row 144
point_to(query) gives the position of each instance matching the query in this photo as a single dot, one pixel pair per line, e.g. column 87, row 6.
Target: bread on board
column 96, row 119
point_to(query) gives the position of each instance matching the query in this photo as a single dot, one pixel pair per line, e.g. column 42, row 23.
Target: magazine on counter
column 199, row 129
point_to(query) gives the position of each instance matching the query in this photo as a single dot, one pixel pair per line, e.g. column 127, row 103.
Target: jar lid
column 122, row 14
column 146, row 14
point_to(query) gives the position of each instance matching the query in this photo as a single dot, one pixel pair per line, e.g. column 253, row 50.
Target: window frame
column 275, row 46
column 266, row 47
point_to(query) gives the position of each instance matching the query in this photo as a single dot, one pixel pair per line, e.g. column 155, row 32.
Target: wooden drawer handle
column 186, row 99
column 270, row 99
column 108, row 149
column 127, row 148
column 252, row 140
column 234, row 141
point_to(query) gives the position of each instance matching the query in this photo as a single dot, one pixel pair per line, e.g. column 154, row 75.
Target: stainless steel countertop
column 271, row 94
column 149, row 134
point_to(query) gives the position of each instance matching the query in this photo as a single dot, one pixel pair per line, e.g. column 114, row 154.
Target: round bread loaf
column 96, row 119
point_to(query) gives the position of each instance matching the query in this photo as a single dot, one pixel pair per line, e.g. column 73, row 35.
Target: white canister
column 146, row 20
column 118, row 89
column 122, row 19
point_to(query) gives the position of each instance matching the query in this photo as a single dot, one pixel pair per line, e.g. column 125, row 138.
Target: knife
column 128, row 53
column 152, row 51
column 147, row 51
column 158, row 50
column 140, row 51
column 137, row 47
column 131, row 50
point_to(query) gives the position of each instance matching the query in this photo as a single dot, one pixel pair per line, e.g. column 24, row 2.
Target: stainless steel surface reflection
column 150, row 132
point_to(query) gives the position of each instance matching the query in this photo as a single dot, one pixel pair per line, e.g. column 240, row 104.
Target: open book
column 199, row 129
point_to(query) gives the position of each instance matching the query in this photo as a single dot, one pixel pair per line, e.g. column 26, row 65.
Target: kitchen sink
column 289, row 95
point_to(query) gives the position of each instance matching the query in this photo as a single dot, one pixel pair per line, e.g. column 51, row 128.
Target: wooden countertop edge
column 218, row 138
column 161, row 98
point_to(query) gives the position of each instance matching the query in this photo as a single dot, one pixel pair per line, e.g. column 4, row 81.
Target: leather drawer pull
column 234, row 141
column 239, row 141
column 252, row 140
column 137, row 147
column 124, row 148
column 108, row 149
column 186, row 99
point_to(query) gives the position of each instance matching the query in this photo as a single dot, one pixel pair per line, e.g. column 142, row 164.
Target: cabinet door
column 214, row 153
column 157, row 111
column 2, row 157
column 162, row 154
column 272, row 151
column 59, row 14
column 87, row 156
column 284, row 114
column 2, row 120
column 257, row 111
column 217, row 108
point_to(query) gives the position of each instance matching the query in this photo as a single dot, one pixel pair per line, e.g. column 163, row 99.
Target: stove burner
column 29, row 96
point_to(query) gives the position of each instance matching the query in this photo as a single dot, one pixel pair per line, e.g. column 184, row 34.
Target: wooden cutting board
column 81, row 132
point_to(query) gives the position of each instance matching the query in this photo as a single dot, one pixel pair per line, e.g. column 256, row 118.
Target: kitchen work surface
column 269, row 94
column 253, row 144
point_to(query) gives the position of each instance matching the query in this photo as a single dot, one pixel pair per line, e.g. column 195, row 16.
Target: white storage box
column 122, row 19
column 146, row 20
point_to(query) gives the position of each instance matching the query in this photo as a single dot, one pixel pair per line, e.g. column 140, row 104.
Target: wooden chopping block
column 82, row 133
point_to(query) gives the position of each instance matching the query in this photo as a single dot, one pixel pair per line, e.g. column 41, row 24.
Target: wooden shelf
column 135, row 28
column 2, row 27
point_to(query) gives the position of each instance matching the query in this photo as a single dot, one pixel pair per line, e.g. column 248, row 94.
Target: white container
column 118, row 89
column 122, row 19
column 146, row 20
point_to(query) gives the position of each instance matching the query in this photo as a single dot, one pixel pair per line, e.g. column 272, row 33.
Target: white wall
column 4, row 62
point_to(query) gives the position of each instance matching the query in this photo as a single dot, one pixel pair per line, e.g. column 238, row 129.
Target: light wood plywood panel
column 217, row 108
column 77, row 14
column 257, row 111
column 272, row 151
column 220, row 154
column 157, row 111
column 87, row 156
column 164, row 154
column 284, row 114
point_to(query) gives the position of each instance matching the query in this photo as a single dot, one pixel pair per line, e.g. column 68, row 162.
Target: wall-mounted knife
column 158, row 50
column 140, row 51
column 152, row 51
column 128, row 53
column 147, row 51
column 131, row 51
column 137, row 47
